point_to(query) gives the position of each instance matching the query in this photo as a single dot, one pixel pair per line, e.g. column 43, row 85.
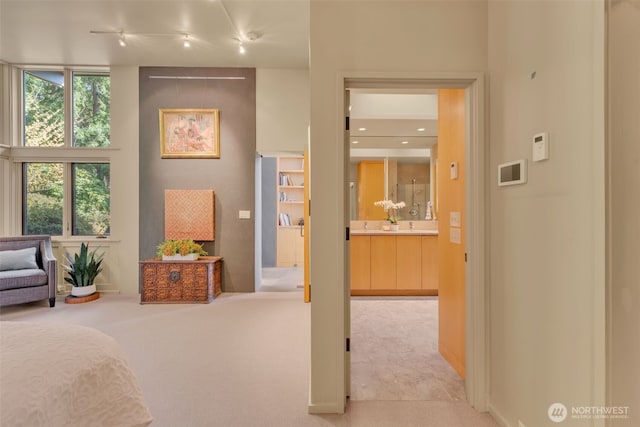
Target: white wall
column 624, row 205
column 124, row 178
column 4, row 152
column 382, row 36
column 547, row 237
column 282, row 110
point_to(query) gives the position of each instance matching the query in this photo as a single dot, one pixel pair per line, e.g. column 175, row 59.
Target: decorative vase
column 83, row 291
column 395, row 227
column 178, row 257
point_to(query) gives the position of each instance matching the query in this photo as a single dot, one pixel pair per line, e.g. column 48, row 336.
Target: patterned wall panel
column 189, row 214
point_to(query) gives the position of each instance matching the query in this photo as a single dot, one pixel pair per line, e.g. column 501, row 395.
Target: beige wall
column 282, row 110
column 624, row 204
column 347, row 36
column 547, row 237
column 124, row 178
column 4, row 152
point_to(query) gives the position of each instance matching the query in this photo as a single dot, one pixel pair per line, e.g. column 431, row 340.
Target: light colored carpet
column 394, row 351
column 242, row 360
column 282, row 279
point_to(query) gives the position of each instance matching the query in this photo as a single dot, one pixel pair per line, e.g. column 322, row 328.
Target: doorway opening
column 411, row 298
column 281, row 199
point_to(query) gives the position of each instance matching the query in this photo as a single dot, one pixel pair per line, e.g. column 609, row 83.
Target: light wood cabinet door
column 360, row 252
column 383, row 262
column 430, row 262
column 286, row 247
column 408, row 262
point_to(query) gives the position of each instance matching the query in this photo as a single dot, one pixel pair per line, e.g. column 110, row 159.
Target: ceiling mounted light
column 354, row 142
column 186, row 42
column 421, row 129
column 241, row 49
column 362, row 129
column 122, row 41
column 252, row 36
column 405, row 142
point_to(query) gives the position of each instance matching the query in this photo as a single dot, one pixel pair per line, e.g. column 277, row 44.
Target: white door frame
column 476, row 153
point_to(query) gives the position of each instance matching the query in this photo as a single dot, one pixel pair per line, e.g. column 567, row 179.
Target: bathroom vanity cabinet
column 386, row 263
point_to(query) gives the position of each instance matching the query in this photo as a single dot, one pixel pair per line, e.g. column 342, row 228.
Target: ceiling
column 55, row 32
column 58, row 32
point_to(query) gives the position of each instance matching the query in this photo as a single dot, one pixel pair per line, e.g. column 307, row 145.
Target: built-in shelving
column 290, row 198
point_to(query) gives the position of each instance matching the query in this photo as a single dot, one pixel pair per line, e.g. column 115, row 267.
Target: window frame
column 66, row 154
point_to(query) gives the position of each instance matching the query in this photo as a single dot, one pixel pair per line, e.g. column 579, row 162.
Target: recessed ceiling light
column 421, row 129
column 362, row 129
column 405, row 142
column 354, row 142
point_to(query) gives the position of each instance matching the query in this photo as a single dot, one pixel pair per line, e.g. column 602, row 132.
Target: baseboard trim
column 500, row 419
column 323, row 408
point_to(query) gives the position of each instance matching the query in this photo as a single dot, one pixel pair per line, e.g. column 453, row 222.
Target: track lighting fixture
column 186, row 42
column 241, row 49
column 122, row 41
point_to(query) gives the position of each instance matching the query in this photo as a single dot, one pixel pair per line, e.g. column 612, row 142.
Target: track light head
column 122, row 41
column 186, row 42
column 241, row 49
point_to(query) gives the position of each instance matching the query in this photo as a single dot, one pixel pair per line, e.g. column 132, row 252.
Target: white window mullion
column 68, row 107
column 67, row 204
column 16, row 99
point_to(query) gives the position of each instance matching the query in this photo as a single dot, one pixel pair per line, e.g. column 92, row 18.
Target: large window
column 43, row 108
column 43, row 192
column 91, row 110
column 69, row 196
column 91, row 184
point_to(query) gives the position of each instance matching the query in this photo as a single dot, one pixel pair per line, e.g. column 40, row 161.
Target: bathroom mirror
column 406, row 179
column 393, row 143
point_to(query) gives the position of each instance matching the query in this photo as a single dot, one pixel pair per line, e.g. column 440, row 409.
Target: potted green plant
column 180, row 250
column 82, row 270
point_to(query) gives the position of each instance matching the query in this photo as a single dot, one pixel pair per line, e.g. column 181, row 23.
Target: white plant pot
column 395, row 227
column 83, row 291
column 187, row 257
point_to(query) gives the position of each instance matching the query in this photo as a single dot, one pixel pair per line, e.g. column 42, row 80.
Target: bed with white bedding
column 66, row 375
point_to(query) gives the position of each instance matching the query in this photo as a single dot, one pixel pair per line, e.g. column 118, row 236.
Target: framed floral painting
column 190, row 133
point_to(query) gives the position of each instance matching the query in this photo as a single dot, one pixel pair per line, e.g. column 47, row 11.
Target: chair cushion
column 18, row 260
column 13, row 279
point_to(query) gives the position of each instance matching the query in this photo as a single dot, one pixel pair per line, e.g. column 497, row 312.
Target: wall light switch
column 454, row 219
column 540, row 147
column 455, row 235
column 244, row 215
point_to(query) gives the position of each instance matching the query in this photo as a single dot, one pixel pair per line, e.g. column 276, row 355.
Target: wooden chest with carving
column 196, row 281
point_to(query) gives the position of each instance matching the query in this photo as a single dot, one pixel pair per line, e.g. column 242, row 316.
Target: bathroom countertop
column 405, row 232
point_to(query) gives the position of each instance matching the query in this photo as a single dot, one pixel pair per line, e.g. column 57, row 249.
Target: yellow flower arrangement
column 179, row 247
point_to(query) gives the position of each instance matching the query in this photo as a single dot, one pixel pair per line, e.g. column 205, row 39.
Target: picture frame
column 189, row 133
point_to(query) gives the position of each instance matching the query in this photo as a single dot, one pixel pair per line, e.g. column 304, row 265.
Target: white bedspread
column 66, row 375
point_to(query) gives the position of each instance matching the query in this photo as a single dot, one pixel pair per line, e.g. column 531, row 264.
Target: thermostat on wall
column 540, row 146
column 512, row 173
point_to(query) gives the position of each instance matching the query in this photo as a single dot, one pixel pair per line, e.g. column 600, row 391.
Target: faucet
column 366, row 226
column 410, row 225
